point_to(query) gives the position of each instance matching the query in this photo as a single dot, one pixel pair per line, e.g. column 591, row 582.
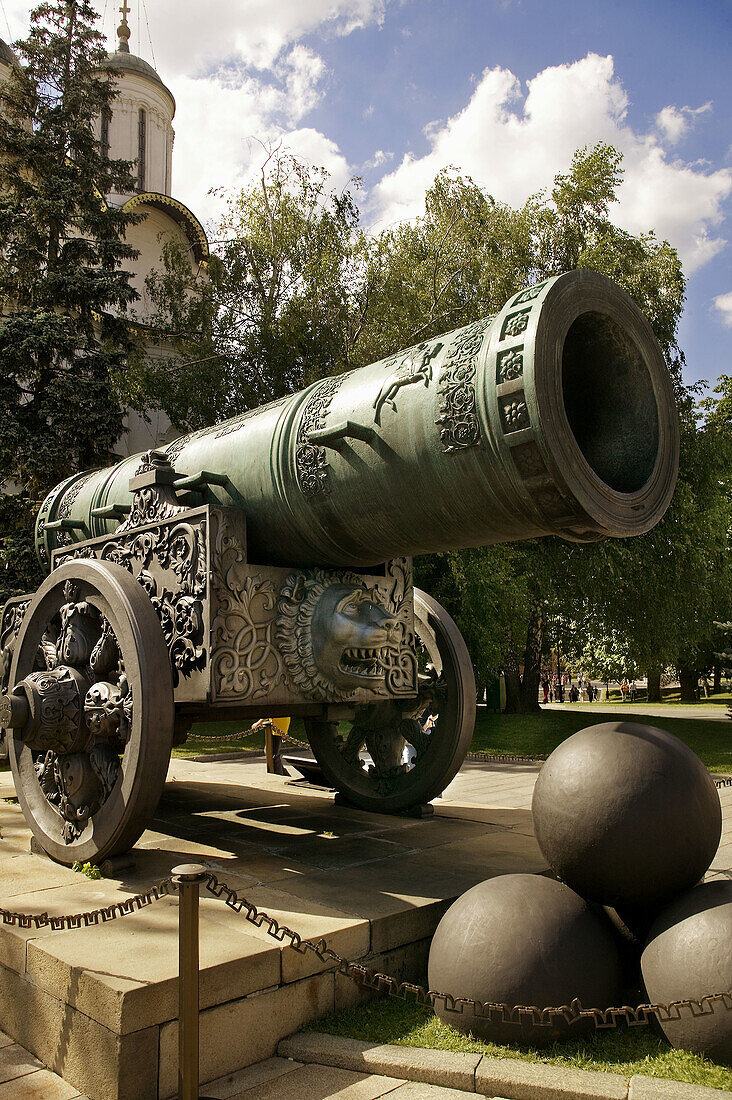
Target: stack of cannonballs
column 629, row 820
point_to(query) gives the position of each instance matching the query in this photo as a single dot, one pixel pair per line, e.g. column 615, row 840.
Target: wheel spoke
column 398, row 754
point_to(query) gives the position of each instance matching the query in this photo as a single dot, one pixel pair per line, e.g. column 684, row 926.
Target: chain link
column 485, row 757
column 602, row 1019
column 286, row 737
column 364, row 976
column 505, row 758
column 92, row 916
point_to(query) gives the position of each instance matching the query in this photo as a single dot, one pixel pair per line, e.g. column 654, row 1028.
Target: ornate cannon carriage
column 264, row 566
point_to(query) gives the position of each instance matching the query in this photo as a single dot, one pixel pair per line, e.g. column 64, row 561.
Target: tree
column 64, row 342
column 278, row 311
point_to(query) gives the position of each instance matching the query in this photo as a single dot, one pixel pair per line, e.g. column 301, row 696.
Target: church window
column 141, row 150
column 106, row 119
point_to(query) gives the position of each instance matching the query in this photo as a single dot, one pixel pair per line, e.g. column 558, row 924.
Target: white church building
column 139, row 128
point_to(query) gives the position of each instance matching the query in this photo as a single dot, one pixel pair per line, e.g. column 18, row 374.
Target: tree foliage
column 64, row 343
column 278, row 310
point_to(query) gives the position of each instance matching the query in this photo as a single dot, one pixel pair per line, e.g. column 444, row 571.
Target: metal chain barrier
column 185, row 883
column 485, row 757
column 188, row 877
column 92, row 916
column 505, row 758
column 364, row 976
column 286, row 737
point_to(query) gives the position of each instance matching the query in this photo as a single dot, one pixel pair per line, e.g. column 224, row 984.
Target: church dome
column 122, row 61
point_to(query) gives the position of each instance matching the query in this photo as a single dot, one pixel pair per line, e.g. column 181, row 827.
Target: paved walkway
column 712, row 712
column 23, row 1077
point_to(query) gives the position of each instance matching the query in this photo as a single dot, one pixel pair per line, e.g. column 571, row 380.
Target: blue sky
column 392, row 90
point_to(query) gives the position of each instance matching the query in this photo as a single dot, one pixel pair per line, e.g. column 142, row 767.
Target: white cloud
column 239, row 73
column 380, row 157
column 223, row 123
column 189, row 37
column 513, row 143
column 673, row 122
column 723, row 304
column 303, row 72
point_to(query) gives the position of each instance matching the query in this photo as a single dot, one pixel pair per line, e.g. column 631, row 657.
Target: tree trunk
column 532, row 660
column 654, row 685
column 512, row 675
column 689, row 681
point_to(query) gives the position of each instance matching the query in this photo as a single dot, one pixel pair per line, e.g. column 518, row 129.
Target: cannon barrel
column 556, row 416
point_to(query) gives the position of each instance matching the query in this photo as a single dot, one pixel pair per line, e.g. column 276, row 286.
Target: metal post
column 188, row 878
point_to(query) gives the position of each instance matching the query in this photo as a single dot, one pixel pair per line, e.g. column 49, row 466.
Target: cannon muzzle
column 556, row 416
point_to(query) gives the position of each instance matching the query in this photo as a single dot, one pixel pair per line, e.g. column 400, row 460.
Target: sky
column 504, row 90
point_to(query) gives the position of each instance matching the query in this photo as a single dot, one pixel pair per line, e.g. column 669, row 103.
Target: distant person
column 624, row 691
column 590, row 691
column 545, row 689
column 631, row 691
column 573, row 694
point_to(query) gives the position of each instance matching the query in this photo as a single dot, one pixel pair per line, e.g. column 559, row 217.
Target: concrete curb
column 495, row 1077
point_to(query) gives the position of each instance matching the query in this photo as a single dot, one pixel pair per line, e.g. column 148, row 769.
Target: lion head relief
column 333, row 636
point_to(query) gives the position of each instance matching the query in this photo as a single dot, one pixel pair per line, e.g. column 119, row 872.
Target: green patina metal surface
column 556, row 416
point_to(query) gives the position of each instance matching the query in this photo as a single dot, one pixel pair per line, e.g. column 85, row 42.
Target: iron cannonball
column 626, row 814
column 688, row 955
column 523, row 940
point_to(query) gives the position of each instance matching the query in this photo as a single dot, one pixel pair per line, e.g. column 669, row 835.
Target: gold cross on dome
column 125, row 10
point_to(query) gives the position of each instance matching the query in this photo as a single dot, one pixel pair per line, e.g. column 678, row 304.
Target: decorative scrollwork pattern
column 10, row 624
column 310, row 460
column 458, row 419
column 246, row 661
column 177, row 548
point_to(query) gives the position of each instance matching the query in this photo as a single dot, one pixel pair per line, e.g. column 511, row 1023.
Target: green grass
column 672, row 696
column 521, row 734
column 526, row 734
column 624, row 1051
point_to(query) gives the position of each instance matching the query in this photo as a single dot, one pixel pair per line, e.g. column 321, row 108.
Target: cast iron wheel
column 387, row 761
column 92, row 670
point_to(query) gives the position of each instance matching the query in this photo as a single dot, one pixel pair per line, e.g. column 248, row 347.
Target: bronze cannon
column 263, row 566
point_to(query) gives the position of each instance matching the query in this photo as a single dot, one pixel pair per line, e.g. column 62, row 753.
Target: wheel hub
column 55, row 719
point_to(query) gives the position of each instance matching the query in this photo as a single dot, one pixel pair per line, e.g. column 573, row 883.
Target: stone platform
column 98, row 1005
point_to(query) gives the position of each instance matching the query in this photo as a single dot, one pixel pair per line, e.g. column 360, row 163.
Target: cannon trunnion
column 263, row 567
